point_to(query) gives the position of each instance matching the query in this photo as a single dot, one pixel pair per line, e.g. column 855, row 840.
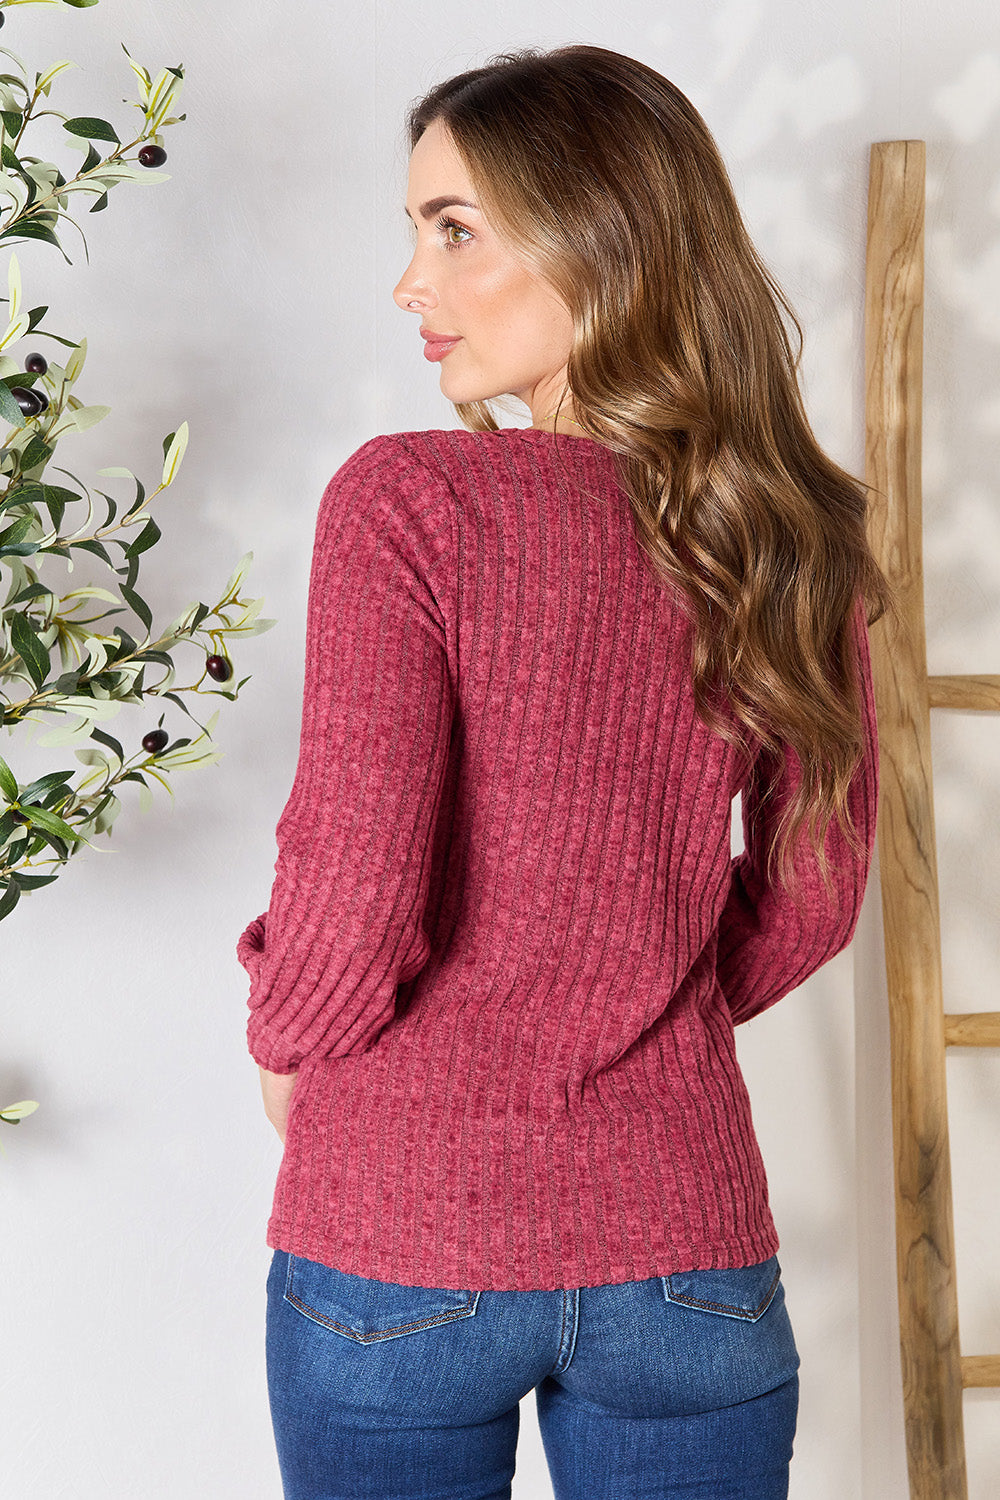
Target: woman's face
column 512, row 333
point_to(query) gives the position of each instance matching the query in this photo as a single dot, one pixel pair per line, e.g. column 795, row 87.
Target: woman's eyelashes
column 446, row 225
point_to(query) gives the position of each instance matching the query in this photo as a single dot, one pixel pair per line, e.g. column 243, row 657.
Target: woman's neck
column 555, row 421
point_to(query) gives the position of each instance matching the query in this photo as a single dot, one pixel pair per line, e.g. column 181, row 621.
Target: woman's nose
column 412, row 292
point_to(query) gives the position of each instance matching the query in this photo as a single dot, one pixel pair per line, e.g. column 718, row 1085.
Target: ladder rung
column 981, row 1029
column 964, row 692
column 980, row 1370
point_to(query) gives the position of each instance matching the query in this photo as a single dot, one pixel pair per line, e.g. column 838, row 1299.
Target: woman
column 494, row 993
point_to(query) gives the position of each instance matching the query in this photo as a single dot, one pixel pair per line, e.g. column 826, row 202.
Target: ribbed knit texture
column 506, row 941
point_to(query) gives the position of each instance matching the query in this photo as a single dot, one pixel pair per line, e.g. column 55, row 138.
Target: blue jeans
column 680, row 1385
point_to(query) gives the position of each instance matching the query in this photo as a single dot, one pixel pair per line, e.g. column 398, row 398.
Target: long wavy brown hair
column 609, row 183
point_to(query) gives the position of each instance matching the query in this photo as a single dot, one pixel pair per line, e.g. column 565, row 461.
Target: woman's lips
column 436, row 348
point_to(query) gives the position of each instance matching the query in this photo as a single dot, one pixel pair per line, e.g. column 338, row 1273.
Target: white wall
column 251, row 296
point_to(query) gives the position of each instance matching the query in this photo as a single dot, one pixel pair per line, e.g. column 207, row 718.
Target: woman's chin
column 459, row 392
column 464, row 392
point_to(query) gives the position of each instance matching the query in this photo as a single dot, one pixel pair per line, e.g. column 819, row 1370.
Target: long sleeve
column 344, row 925
column 767, row 944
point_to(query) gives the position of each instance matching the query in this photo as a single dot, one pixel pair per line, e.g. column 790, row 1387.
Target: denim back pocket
column 367, row 1310
column 742, row 1292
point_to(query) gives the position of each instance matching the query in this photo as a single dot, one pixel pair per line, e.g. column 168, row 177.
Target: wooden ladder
column 934, row 1370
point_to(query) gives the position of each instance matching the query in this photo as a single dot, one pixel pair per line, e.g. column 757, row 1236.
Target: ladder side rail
column 928, row 1305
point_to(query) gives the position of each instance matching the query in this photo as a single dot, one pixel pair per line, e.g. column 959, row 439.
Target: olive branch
column 99, row 668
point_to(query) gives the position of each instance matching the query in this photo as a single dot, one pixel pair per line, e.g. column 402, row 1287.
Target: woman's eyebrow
column 435, row 205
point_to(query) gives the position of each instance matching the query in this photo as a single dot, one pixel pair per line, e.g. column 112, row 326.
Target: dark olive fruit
column 41, row 403
column 155, row 740
column 31, row 402
column 2, row 18
column 219, row 668
column 36, row 363
column 152, row 156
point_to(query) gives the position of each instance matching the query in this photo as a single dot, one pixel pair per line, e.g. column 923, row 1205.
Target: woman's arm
column 344, row 924
column 768, row 946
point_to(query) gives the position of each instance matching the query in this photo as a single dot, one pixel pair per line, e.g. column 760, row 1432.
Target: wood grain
column 928, row 1310
column 980, row 1029
column 981, row 1370
column 964, row 692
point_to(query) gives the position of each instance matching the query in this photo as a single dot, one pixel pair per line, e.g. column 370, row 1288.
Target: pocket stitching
column 383, row 1333
column 431, row 1321
column 748, row 1315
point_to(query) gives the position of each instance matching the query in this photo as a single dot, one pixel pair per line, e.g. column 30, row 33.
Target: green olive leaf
column 13, row 1113
column 10, row 412
column 138, row 604
column 43, row 81
column 11, row 896
column 29, row 648
column 45, row 784
column 53, row 824
column 88, row 126
column 31, row 229
column 84, row 417
column 174, row 448
column 8, row 781
column 148, row 537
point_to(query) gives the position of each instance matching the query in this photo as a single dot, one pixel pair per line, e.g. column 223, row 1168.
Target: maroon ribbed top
column 506, row 941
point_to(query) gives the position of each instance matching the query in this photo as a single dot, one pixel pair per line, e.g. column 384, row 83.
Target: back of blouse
column 507, row 942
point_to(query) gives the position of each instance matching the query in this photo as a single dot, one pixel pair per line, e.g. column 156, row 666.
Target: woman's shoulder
column 416, row 480
column 453, row 462
column 448, row 457
column 459, row 455
column 441, row 445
